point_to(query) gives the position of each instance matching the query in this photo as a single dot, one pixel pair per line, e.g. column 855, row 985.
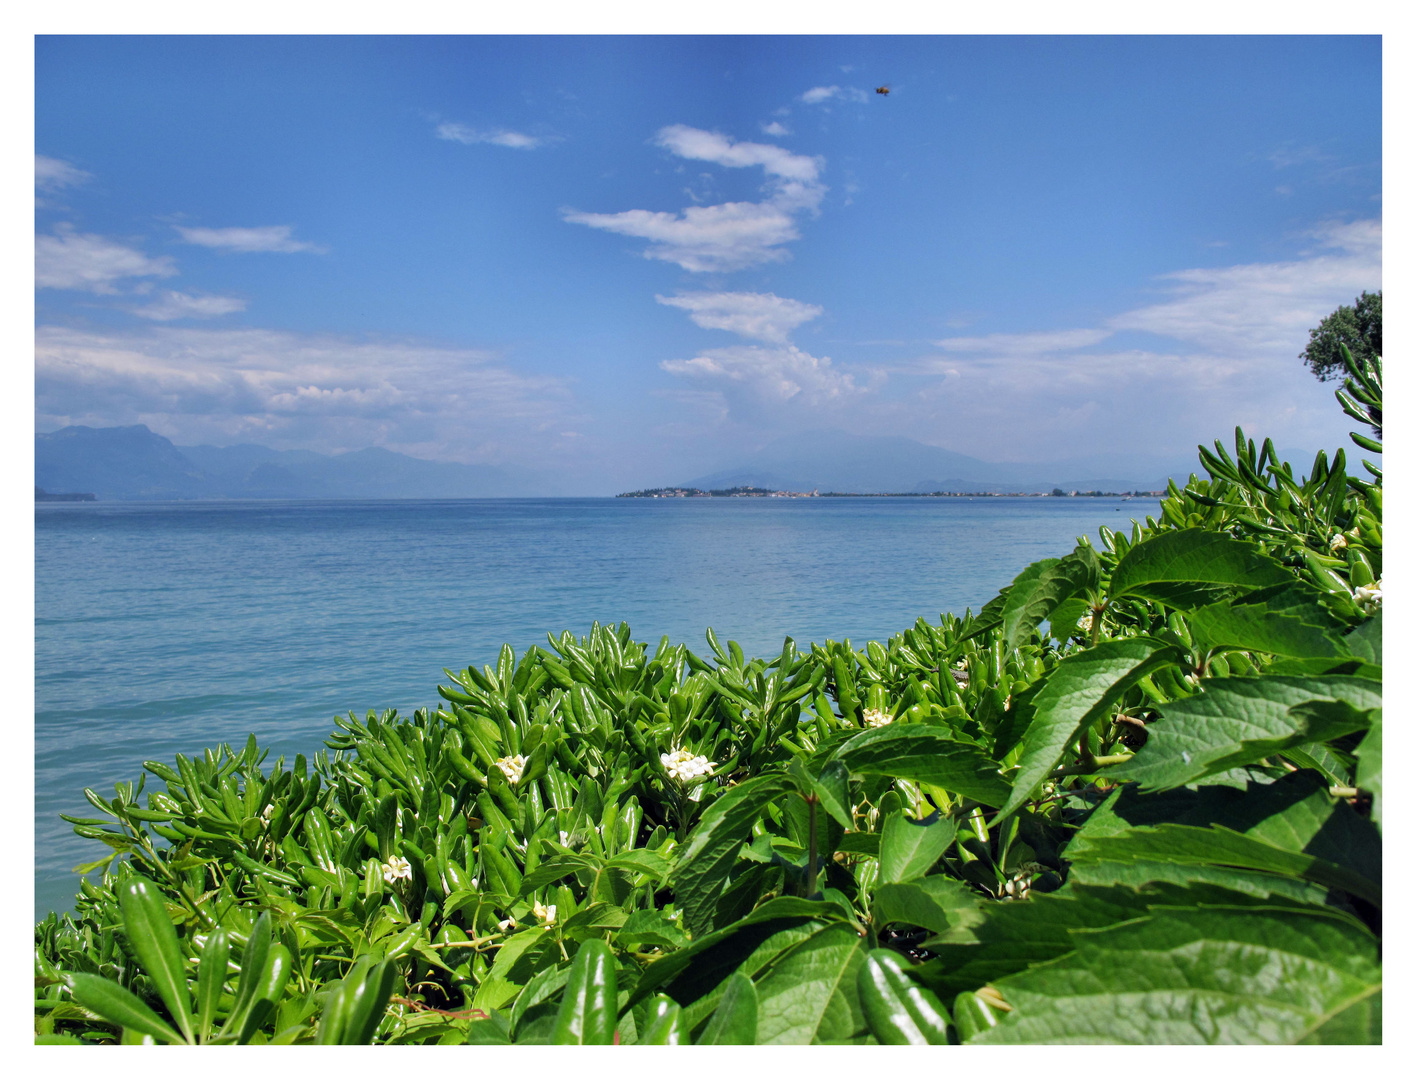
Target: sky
column 625, row 262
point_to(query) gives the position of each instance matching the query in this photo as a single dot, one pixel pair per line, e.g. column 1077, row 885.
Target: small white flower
column 1085, row 624
column 875, row 718
column 546, row 914
column 684, row 766
column 506, row 924
column 1369, row 597
column 565, row 838
column 1338, row 543
column 397, row 867
column 512, row 767
column 267, row 812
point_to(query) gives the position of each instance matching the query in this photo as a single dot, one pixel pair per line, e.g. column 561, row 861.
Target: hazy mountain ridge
column 837, row 461
column 134, row 463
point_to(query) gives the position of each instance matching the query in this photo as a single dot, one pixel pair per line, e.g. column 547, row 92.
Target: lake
column 169, row 627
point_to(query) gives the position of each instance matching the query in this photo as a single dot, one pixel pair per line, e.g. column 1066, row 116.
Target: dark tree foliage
column 1360, row 327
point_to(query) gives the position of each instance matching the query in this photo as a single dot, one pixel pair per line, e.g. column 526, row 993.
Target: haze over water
column 170, row 627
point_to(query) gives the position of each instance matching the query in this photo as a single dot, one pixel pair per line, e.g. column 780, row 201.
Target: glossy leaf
column 150, row 933
column 588, row 1014
column 910, row 848
column 899, row 1011
column 118, row 1006
column 666, row 1024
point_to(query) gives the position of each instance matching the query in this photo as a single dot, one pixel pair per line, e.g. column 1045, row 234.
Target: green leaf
column 810, row 994
column 1198, row 976
column 150, row 933
column 910, row 848
column 899, row 1011
column 1237, row 721
column 706, row 859
column 1288, row 621
column 735, row 1021
column 587, row 1016
column 211, row 979
column 860, row 843
column 831, row 787
column 925, row 753
column 936, row 903
column 1192, row 567
column 1037, row 592
column 1369, row 774
column 118, row 1006
column 724, row 950
column 666, row 1024
column 1357, row 1024
column 1366, row 641
column 1080, row 690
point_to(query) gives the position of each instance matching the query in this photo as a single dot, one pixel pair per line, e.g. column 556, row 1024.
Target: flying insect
column 883, row 89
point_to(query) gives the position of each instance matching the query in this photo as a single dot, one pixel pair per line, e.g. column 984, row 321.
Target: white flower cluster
column 397, row 867
column 546, row 914
column 1369, row 597
column 684, row 766
column 875, row 718
column 1338, row 543
column 512, row 767
column 1085, row 624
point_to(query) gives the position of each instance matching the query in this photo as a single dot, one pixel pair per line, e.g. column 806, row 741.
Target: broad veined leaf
column 1369, row 774
column 1192, row 567
column 735, row 1021
column 925, row 753
column 1238, row 721
column 1013, row 935
column 1081, row 689
column 937, row 903
column 810, row 995
column 910, row 848
column 1198, row 976
column 1357, row 1024
column 723, row 950
column 703, row 868
column 1037, row 592
column 1366, row 640
column 1219, row 846
column 1281, row 625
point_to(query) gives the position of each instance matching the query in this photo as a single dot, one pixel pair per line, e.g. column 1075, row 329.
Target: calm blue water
column 169, row 627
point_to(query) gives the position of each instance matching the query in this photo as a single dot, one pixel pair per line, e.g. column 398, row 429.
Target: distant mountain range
column 836, row 461
column 126, row 463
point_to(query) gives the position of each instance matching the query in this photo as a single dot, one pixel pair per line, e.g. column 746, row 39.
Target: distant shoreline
column 766, row 493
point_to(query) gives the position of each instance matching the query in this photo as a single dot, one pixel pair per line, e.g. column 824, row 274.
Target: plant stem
column 811, row 844
column 1097, row 763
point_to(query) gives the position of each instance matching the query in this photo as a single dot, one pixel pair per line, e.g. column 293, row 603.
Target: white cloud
column 74, row 260
column 1046, row 341
column 819, row 94
column 727, row 236
column 318, row 392
column 1263, row 308
column 262, row 238
column 764, row 316
column 752, row 376
column 50, row 174
column 497, row 137
column 175, row 305
column 775, row 129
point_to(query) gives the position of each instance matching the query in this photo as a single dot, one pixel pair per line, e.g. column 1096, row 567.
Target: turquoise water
column 168, row 627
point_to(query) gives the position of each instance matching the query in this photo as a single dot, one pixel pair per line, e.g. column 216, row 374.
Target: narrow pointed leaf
column 587, row 1016
column 118, row 1006
column 150, row 932
column 899, row 1011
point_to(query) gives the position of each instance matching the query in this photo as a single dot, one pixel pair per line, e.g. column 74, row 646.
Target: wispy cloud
column 171, row 305
column 321, row 392
column 775, row 129
column 1025, row 344
column 261, row 238
column 469, row 136
column 763, row 316
column 819, row 94
column 75, row 260
column 51, row 174
column 727, row 236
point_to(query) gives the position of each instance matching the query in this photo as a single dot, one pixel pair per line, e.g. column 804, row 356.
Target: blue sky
column 629, row 260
